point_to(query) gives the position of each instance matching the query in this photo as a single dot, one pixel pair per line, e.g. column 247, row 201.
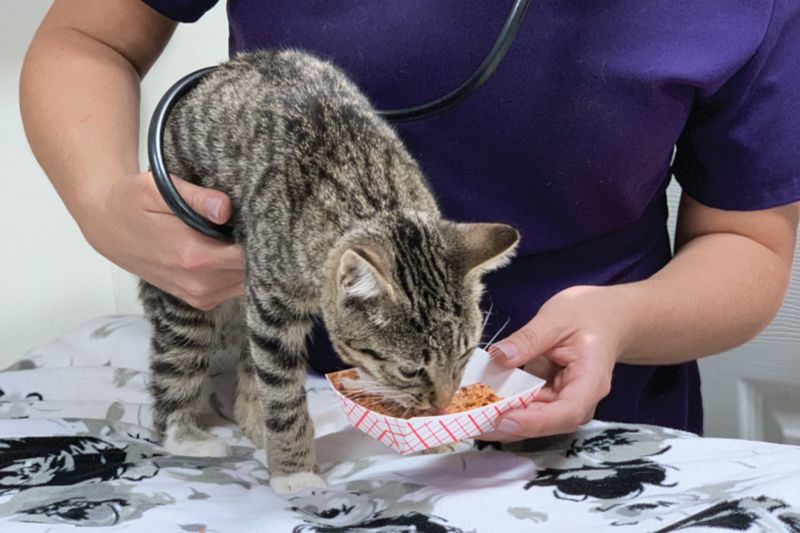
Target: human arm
column 79, row 98
column 726, row 282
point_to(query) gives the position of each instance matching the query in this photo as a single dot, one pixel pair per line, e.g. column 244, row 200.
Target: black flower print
column 45, row 461
column 604, row 441
column 411, row 522
column 106, row 512
column 605, row 480
column 617, row 445
column 627, row 512
column 375, row 507
column 741, row 515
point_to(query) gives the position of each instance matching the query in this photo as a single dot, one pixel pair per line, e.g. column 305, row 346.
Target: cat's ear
column 480, row 247
column 361, row 274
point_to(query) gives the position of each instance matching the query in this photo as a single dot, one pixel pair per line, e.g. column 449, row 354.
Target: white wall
column 50, row 279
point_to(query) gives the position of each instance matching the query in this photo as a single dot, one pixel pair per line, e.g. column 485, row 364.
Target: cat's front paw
column 296, row 482
column 194, row 444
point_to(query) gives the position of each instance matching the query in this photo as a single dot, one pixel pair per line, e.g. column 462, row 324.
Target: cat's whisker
column 376, row 386
column 383, row 392
column 486, row 317
column 399, row 398
column 499, row 331
column 350, row 393
column 375, row 390
column 366, row 395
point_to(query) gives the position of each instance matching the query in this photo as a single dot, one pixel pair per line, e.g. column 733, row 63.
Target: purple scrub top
column 571, row 141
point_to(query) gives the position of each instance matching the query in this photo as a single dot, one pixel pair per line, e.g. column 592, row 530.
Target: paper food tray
column 517, row 388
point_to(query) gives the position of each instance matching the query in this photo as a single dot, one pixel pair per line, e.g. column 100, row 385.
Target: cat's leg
column 248, row 409
column 277, row 334
column 180, row 348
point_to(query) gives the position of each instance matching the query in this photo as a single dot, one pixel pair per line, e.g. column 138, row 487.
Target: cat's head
column 402, row 301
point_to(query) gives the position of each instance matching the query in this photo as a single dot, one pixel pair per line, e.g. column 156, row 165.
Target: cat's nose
column 441, row 396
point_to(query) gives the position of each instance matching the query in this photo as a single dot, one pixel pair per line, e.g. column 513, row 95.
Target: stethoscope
column 155, row 136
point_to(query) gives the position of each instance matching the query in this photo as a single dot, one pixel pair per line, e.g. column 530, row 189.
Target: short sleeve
column 181, row 10
column 740, row 148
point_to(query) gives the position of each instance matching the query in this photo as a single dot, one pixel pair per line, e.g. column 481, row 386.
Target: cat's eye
column 372, row 353
column 409, row 373
column 364, row 351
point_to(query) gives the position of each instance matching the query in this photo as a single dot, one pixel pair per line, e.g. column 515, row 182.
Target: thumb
column 527, row 343
column 213, row 204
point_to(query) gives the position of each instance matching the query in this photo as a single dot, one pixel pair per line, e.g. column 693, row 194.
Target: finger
column 507, row 432
column 499, row 436
column 225, row 256
column 574, row 405
column 209, row 300
column 234, row 291
column 213, row 204
column 528, row 342
column 545, row 394
column 208, row 284
column 543, row 368
column 221, row 296
column 192, row 251
column 541, row 420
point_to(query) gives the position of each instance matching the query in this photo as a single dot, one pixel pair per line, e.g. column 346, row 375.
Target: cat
column 336, row 222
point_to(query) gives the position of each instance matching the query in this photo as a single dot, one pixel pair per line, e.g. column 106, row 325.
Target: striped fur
column 337, row 223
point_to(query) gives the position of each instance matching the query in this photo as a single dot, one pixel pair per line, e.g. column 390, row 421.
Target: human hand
column 134, row 228
column 572, row 342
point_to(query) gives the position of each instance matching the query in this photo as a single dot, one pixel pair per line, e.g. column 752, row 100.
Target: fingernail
column 503, row 350
column 214, row 207
column 509, row 426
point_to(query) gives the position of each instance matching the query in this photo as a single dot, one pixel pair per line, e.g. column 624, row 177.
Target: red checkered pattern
column 415, row 434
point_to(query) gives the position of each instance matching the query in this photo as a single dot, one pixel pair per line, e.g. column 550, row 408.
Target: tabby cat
column 336, row 222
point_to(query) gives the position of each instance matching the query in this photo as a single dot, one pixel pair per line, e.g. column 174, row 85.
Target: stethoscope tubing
column 155, row 137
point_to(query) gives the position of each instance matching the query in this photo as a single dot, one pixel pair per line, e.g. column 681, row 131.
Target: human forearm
column 80, row 103
column 724, row 284
column 79, row 95
column 717, row 292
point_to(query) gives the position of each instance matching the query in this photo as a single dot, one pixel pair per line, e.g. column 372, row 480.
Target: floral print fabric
column 77, row 450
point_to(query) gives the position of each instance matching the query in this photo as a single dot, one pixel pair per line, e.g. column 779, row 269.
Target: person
column 571, row 141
